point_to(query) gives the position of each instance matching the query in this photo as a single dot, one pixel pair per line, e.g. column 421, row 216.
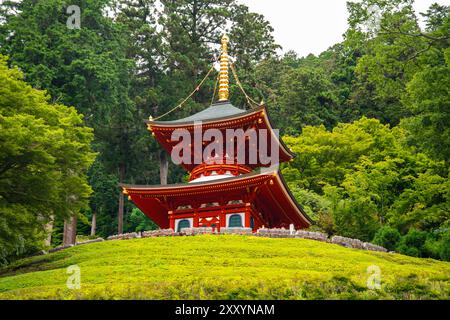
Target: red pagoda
column 224, row 190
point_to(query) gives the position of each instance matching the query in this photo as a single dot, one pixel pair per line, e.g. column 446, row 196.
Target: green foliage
column 45, row 152
column 306, row 99
column 427, row 97
column 105, row 198
column 363, row 175
column 387, row 237
column 445, row 248
column 368, row 118
column 137, row 222
column 413, row 243
column 223, row 267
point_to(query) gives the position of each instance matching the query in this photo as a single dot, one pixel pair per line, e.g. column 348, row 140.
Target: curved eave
column 292, row 198
column 295, row 213
column 270, row 126
column 193, row 186
column 220, row 123
column 188, row 124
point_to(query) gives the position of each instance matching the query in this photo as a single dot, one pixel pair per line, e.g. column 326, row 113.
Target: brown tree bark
column 73, row 228
column 163, row 167
column 70, row 231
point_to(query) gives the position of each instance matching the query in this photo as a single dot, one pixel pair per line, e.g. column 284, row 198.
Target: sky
column 311, row 26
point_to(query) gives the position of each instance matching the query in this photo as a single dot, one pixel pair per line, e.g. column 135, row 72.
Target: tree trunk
column 74, row 221
column 49, row 230
column 163, row 167
column 93, row 224
column 120, row 216
column 70, row 231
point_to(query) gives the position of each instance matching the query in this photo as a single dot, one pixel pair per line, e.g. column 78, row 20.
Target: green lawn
column 223, row 267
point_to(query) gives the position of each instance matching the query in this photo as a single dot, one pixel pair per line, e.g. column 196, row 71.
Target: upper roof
column 216, row 111
column 221, row 116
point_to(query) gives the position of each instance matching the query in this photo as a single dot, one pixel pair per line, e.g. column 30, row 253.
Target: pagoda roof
column 274, row 200
column 219, row 110
column 219, row 116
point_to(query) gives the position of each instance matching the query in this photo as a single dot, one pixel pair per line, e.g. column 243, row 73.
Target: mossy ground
column 223, row 267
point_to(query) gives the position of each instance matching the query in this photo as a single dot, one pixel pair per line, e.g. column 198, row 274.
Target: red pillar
column 195, row 218
column 171, row 221
column 222, row 218
column 247, row 215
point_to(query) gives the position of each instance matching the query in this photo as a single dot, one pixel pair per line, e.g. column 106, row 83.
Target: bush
column 413, row 243
column 409, row 251
column 432, row 248
column 387, row 237
column 445, row 248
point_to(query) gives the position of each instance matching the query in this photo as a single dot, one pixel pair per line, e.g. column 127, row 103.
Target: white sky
column 311, row 26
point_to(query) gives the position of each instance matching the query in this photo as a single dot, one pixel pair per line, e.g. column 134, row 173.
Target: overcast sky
column 310, row 26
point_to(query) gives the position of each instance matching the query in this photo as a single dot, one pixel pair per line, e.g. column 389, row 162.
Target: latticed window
column 235, row 221
column 183, row 224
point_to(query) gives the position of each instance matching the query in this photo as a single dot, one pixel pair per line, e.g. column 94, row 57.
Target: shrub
column 387, row 237
column 445, row 248
column 409, row 251
column 413, row 243
column 432, row 248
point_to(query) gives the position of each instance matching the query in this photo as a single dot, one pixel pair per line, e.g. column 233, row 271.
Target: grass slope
column 223, row 267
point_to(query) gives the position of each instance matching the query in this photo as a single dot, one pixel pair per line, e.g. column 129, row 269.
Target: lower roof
column 273, row 198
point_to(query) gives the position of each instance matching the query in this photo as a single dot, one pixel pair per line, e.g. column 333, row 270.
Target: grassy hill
column 225, row 267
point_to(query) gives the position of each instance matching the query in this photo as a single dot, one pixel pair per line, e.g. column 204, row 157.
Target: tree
column 413, row 243
column 86, row 68
column 365, row 176
column 428, row 98
column 138, row 222
column 305, row 95
column 387, row 237
column 45, row 153
column 173, row 49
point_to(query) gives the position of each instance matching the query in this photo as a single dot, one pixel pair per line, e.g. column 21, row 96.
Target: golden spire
column 223, row 74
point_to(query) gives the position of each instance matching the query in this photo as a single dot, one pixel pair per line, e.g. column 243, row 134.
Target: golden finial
column 223, row 75
column 150, row 118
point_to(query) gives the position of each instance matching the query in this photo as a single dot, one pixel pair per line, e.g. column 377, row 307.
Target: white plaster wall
column 203, row 178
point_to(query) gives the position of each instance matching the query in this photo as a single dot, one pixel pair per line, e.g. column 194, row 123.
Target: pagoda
column 228, row 188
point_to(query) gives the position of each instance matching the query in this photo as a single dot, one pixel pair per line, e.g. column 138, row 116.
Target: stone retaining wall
column 196, row 231
column 243, row 231
column 124, row 236
column 158, row 233
column 319, row 236
column 275, row 233
column 270, row 233
column 356, row 244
